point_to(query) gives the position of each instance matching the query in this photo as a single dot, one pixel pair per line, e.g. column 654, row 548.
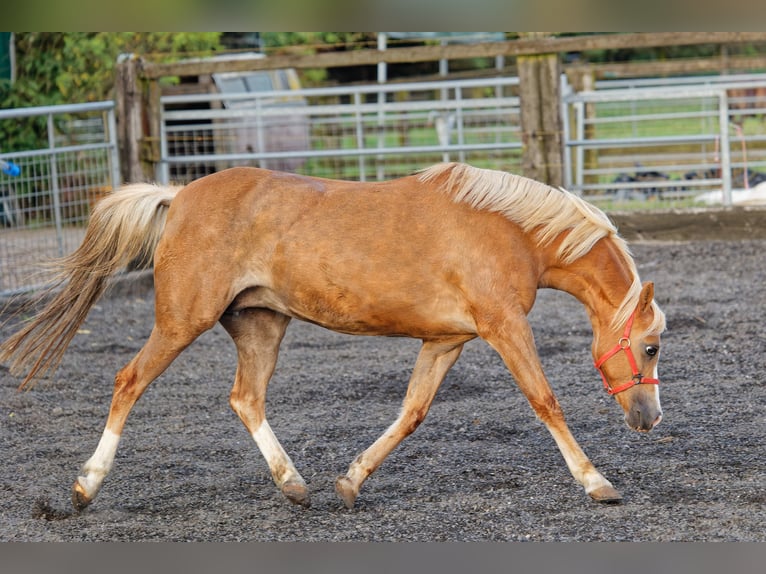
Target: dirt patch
column 481, row 467
column 692, row 224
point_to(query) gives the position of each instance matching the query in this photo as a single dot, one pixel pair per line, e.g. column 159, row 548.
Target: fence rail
column 358, row 132
column 670, row 140
column 44, row 208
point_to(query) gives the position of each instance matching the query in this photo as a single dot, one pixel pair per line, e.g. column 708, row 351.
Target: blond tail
column 124, row 227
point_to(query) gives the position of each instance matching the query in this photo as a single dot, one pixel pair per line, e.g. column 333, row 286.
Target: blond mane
column 546, row 210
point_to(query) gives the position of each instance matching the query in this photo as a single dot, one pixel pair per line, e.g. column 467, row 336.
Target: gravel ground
column 481, row 467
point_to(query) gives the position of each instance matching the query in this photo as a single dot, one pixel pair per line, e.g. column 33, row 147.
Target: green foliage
column 74, row 67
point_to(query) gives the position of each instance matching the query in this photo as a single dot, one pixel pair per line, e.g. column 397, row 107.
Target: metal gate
column 673, row 141
column 43, row 210
column 355, row 132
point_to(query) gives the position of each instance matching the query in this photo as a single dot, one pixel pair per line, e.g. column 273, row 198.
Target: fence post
column 723, row 127
column 539, row 78
column 583, row 80
column 566, row 126
column 382, row 79
column 129, row 117
column 152, row 152
column 359, row 134
column 55, row 191
column 114, row 150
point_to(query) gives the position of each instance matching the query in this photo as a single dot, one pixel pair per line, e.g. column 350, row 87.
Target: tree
column 71, row 67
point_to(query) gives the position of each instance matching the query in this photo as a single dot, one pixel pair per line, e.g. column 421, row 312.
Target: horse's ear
column 647, row 296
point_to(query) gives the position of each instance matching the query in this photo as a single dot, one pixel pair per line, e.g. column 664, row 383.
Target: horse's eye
column 652, row 350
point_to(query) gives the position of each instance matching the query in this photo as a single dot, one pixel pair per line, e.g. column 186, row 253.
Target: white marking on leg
column 98, row 466
column 282, row 468
column 592, row 482
column 578, row 463
column 657, row 394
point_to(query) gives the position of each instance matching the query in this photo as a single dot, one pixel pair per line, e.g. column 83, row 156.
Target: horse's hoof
column 80, row 500
column 297, row 493
column 606, row 495
column 345, row 491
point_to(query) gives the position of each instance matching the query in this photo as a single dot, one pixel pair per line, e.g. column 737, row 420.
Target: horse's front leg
column 434, row 360
column 511, row 336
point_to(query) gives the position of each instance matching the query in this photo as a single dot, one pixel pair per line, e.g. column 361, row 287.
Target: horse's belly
column 372, row 314
column 384, row 315
column 367, row 312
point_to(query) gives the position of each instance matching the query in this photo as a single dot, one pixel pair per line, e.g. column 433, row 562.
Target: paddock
column 480, row 467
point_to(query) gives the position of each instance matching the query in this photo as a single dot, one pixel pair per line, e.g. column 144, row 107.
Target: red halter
column 624, row 345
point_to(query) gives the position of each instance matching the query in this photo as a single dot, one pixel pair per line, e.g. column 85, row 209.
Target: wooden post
column 151, row 146
column 129, row 118
column 540, row 91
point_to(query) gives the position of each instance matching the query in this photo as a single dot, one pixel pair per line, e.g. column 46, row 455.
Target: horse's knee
column 547, row 408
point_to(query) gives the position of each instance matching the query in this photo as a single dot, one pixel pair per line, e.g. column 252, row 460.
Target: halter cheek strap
column 624, row 345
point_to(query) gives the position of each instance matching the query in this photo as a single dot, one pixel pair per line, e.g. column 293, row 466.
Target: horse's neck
column 600, row 279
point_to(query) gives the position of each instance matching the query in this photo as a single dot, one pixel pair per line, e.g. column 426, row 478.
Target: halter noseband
column 624, row 345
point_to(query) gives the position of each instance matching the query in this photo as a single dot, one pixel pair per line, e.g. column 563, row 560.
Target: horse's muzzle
column 643, row 418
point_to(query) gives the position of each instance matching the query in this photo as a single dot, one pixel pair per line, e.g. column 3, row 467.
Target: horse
column 444, row 255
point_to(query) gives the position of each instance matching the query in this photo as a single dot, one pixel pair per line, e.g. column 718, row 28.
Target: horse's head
column 626, row 356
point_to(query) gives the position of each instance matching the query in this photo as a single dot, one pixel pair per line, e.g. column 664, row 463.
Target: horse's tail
column 124, row 227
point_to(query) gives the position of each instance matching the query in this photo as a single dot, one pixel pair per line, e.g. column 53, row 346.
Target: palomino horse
column 445, row 255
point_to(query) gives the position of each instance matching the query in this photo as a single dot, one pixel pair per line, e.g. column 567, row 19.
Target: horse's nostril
column 647, row 423
column 643, row 420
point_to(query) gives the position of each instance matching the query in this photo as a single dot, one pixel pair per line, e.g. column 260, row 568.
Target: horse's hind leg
column 130, row 383
column 257, row 334
column 434, row 360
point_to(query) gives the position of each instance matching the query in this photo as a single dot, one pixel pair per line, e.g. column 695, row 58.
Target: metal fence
column 674, row 141
column 44, row 208
column 356, row 132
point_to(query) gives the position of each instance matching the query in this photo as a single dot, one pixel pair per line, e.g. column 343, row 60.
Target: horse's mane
column 528, row 203
column 547, row 210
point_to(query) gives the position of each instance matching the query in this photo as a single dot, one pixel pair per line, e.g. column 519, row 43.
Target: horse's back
column 234, row 193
